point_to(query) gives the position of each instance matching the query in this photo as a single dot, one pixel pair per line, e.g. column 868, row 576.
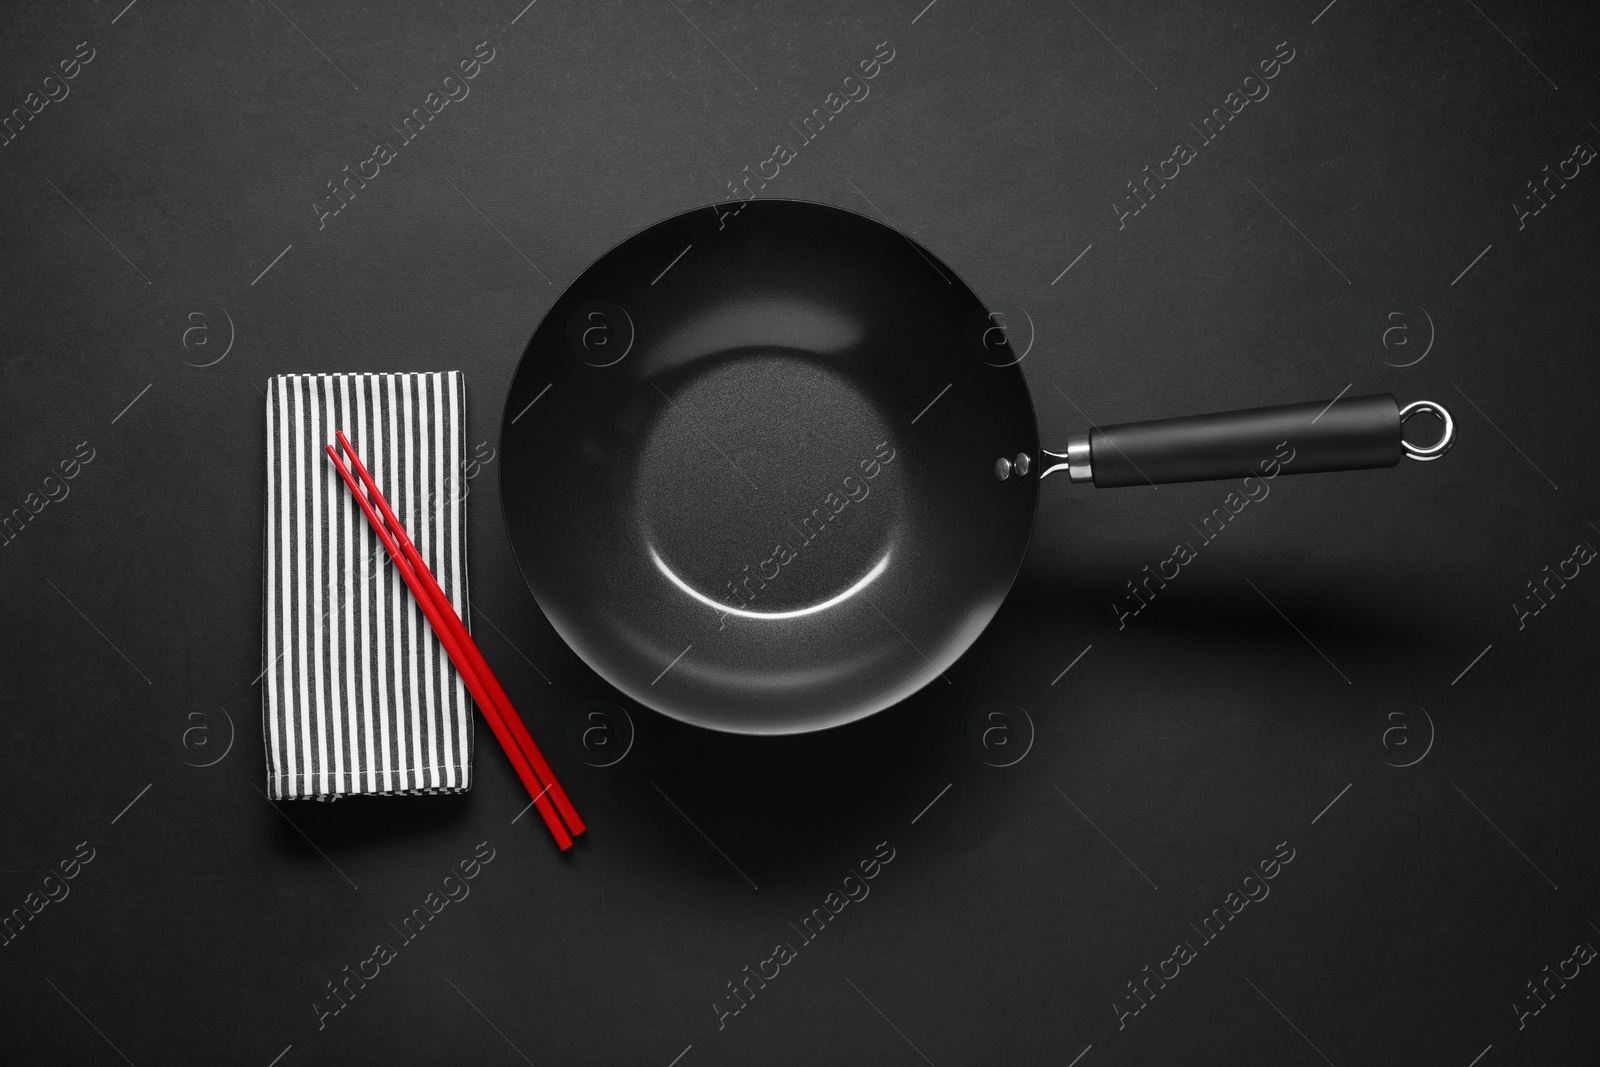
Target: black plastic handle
column 1352, row 433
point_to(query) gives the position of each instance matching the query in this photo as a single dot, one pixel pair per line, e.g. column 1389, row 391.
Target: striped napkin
column 359, row 696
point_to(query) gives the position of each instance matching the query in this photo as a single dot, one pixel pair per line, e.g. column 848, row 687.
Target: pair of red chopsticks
column 530, row 765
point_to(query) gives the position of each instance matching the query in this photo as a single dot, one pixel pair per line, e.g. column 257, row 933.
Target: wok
column 773, row 468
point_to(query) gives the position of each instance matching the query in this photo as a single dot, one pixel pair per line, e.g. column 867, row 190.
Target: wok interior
column 756, row 521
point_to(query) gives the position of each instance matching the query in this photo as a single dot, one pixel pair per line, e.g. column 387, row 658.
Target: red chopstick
column 475, row 658
column 536, row 789
column 453, row 650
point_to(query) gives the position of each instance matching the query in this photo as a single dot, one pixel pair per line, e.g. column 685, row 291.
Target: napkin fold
column 358, row 695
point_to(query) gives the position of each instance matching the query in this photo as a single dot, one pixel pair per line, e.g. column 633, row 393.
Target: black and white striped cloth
column 358, row 694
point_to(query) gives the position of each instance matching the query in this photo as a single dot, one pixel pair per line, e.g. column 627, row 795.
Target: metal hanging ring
column 1439, row 447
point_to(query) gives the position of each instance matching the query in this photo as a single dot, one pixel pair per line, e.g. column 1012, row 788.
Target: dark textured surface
column 1382, row 173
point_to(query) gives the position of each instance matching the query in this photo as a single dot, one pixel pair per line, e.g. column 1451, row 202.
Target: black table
column 1376, row 686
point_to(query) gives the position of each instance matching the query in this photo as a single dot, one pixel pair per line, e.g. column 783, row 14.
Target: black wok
column 773, row 468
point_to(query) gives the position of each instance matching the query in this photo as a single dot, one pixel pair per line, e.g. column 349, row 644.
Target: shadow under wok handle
column 1351, row 433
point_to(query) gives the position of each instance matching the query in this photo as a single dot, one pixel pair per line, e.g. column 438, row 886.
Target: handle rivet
column 1023, row 462
column 1002, row 468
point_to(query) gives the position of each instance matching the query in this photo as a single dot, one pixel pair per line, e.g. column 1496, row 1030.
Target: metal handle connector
column 1075, row 460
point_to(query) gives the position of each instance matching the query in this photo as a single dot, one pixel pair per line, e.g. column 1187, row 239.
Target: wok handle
column 1351, row 433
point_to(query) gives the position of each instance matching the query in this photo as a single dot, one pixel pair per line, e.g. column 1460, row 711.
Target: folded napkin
column 358, row 694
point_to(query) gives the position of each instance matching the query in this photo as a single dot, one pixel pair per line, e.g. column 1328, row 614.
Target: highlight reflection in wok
column 744, row 613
